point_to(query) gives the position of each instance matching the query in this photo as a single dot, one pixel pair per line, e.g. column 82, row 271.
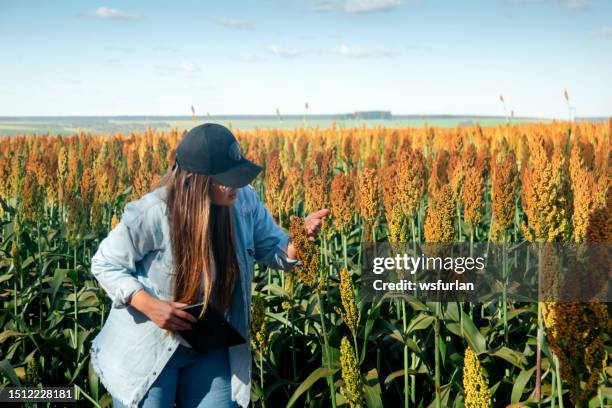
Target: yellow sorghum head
column 274, row 181
column 322, row 283
column 96, row 214
column 351, row 375
column 288, row 284
column 106, row 182
column 87, row 185
column 438, row 176
column 142, row 183
column 4, row 170
column 31, row 376
column 292, row 190
column 411, row 181
column 545, row 193
column 75, row 171
column 576, row 333
column 599, row 226
column 15, row 255
column 583, row 183
column 472, row 193
column 342, row 200
column 439, row 219
column 505, row 181
column 350, row 313
column 258, row 325
column 18, row 172
column 455, row 170
column 550, row 273
column 307, row 253
column 475, row 386
column 393, row 214
column 32, row 199
column 62, row 171
column 368, row 197
column 315, row 195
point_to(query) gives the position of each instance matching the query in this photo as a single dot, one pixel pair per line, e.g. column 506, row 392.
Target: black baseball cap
column 213, row 150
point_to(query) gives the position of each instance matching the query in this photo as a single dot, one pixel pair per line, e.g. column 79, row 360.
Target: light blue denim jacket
column 130, row 350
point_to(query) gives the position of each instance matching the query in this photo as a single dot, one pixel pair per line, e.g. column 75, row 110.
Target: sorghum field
column 316, row 342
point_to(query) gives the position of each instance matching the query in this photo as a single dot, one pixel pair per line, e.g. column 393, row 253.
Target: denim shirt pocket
column 161, row 274
column 167, row 262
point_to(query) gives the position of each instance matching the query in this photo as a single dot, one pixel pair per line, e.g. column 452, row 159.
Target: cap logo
column 234, row 152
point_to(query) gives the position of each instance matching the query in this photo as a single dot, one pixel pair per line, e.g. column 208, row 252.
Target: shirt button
column 169, row 348
column 154, row 373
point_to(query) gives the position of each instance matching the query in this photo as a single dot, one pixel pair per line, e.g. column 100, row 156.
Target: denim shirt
column 130, row 350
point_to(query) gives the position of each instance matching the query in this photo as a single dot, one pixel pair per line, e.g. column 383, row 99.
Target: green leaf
column 373, row 314
column 6, row 277
column 316, row 375
column 58, row 278
column 74, row 276
column 519, row 384
column 27, row 262
column 513, row 357
column 398, row 374
column 442, row 350
column 9, row 333
column 334, row 357
column 7, row 369
column 471, row 333
column 372, row 389
column 94, row 383
column 276, row 289
column 420, row 322
column 372, row 396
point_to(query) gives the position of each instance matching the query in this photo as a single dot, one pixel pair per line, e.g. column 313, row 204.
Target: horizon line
column 302, row 115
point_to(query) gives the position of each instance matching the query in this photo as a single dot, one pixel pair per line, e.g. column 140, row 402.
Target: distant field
column 69, row 125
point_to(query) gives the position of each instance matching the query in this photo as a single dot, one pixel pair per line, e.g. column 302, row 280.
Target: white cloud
column 186, row 68
column 249, row 58
column 112, row 14
column 577, row 5
column 356, row 51
column 605, row 31
column 165, row 48
column 283, row 51
column 573, row 4
column 119, row 48
column 525, row 1
column 235, row 24
column 356, row 6
column 189, row 67
column 324, row 5
column 366, row 6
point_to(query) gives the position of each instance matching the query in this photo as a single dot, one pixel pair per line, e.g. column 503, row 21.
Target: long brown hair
column 199, row 231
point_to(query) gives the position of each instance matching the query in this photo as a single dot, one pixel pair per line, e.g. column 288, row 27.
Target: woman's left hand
column 313, row 222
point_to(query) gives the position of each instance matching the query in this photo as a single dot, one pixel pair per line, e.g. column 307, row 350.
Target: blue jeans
column 191, row 379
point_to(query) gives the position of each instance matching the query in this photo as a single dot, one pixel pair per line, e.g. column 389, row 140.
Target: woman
column 192, row 238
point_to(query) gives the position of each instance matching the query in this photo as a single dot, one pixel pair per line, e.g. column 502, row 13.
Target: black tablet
column 210, row 332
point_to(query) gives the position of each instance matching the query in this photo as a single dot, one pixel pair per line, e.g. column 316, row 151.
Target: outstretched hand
column 312, row 225
column 313, row 222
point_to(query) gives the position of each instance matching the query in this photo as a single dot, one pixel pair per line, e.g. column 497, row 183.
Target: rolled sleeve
column 269, row 239
column 114, row 266
column 114, row 263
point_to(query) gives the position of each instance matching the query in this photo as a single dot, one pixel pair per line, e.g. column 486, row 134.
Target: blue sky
column 128, row 57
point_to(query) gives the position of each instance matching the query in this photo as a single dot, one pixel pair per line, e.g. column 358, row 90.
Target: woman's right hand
column 165, row 314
